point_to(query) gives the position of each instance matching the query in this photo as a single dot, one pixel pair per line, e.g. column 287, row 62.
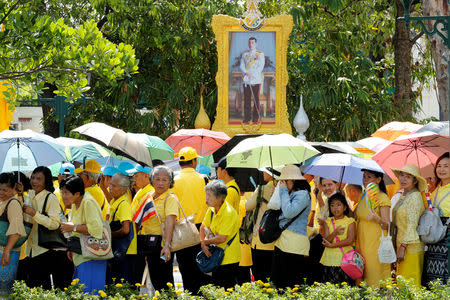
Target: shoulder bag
column 120, row 245
column 430, row 229
column 4, row 225
column 249, row 221
column 50, row 239
column 210, row 264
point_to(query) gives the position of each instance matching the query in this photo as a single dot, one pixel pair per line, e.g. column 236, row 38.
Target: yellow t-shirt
column 153, row 225
column 444, row 207
column 189, row 188
column 97, row 193
column 332, row 257
column 88, row 214
column 234, row 194
column 121, row 211
column 225, row 222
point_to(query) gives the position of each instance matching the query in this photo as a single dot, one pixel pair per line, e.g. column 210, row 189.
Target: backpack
column 249, row 221
column 269, row 227
column 430, row 229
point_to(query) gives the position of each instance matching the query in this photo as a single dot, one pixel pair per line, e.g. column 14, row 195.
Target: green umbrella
column 157, row 147
column 268, row 151
column 77, row 150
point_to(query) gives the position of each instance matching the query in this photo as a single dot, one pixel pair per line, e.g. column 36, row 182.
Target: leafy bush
column 389, row 289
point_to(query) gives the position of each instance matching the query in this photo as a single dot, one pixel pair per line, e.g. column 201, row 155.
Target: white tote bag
column 275, row 200
column 386, row 251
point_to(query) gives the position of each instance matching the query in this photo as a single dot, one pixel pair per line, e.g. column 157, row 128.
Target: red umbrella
column 203, row 140
column 421, row 149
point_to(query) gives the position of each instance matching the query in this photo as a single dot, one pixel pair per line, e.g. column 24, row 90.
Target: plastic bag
column 275, row 200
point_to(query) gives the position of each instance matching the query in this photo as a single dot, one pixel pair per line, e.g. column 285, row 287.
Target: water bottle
column 27, row 217
column 62, row 219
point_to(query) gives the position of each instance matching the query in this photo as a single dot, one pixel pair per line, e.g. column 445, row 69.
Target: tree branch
column 418, row 36
column 9, row 11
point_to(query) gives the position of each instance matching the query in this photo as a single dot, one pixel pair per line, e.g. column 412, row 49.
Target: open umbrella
column 158, row 148
column 441, row 128
column 77, row 150
column 25, row 149
column 393, row 130
column 421, row 149
column 268, row 151
column 334, row 147
column 374, row 143
column 120, row 142
column 342, row 167
column 203, row 140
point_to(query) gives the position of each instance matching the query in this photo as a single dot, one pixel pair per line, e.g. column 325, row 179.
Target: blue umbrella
column 342, row 167
column 25, row 149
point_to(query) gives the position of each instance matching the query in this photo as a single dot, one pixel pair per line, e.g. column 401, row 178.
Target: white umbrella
column 117, row 140
column 25, row 149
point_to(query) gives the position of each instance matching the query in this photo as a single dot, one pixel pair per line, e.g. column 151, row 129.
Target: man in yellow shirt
column 189, row 188
column 226, row 175
column 90, row 173
column 141, row 179
column 122, row 229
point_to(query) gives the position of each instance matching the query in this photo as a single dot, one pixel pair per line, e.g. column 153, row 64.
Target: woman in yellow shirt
column 85, row 218
column 371, row 221
column 437, row 256
column 221, row 227
column 405, row 219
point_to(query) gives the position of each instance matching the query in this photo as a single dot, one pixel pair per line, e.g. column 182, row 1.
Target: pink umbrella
column 421, row 149
column 203, row 140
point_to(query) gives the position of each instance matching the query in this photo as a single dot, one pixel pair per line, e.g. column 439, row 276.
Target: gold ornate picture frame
column 233, row 41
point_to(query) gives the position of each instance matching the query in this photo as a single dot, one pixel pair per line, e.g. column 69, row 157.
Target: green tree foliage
column 35, row 49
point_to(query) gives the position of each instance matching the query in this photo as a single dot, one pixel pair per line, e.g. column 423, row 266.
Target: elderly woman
column 49, row 262
column 220, row 226
column 292, row 248
column 437, row 255
column 405, row 219
column 11, row 213
column 153, row 242
column 371, row 221
column 122, row 229
column 85, row 218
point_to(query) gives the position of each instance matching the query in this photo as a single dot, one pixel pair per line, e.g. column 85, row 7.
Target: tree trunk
column 51, row 127
column 402, row 58
column 438, row 49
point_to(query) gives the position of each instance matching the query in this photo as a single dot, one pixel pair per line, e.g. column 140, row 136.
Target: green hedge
column 402, row 289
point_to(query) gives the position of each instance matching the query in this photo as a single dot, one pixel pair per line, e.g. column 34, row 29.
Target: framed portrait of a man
column 252, row 76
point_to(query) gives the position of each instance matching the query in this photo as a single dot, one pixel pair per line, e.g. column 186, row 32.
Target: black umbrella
column 241, row 175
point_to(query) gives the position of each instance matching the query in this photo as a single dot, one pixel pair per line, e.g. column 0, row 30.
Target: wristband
column 75, row 228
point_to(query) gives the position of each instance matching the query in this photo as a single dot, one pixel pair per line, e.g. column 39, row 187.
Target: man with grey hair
column 90, row 173
column 123, row 231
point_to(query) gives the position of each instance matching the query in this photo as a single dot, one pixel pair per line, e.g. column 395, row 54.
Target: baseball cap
column 90, row 166
column 109, row 171
column 67, row 169
column 221, row 163
column 124, row 166
column 187, row 154
column 138, row 169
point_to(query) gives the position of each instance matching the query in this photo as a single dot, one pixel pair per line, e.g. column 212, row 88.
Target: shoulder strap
column 5, row 211
column 337, row 239
column 435, row 197
column 293, row 219
column 114, row 215
column 229, row 242
column 44, row 212
column 235, row 188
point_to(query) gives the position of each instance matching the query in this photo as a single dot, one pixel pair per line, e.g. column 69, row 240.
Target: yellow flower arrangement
column 169, row 284
column 178, row 292
column 102, row 294
column 119, row 285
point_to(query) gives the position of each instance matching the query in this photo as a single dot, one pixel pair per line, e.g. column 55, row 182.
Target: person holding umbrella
column 292, row 247
column 371, row 220
column 405, row 219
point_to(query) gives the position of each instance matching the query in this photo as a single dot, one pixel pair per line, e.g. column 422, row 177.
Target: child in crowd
column 338, row 238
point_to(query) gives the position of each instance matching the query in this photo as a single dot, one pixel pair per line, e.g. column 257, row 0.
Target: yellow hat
column 291, row 172
column 90, row 166
column 187, row 154
column 414, row 171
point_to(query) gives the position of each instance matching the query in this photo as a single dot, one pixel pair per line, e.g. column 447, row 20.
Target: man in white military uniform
column 252, row 64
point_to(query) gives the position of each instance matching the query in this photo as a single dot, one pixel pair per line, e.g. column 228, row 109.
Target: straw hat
column 414, row 171
column 291, row 172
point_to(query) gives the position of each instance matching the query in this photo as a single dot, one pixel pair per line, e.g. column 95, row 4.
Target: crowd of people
column 119, row 221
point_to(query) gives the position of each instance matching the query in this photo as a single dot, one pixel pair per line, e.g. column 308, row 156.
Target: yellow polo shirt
column 88, row 214
column 97, row 193
column 234, row 194
column 140, row 196
column 225, row 222
column 121, row 210
column 441, row 191
column 189, row 187
column 152, row 225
